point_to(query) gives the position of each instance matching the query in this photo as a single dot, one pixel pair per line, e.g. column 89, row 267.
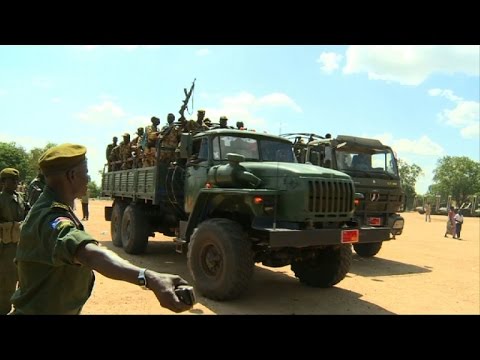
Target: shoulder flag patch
column 59, row 205
column 60, row 222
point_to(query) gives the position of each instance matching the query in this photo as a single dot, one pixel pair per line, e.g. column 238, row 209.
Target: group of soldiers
column 142, row 150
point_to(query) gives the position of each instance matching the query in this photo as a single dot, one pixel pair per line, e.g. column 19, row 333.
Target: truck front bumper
column 309, row 238
column 370, row 234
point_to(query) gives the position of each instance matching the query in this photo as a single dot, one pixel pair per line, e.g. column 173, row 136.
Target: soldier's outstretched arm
column 111, row 265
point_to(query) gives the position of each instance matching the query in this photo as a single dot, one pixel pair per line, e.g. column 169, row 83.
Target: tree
column 94, row 189
column 33, row 157
column 458, row 176
column 13, row 155
column 408, row 177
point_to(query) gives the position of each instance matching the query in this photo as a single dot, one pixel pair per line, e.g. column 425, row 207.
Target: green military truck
column 373, row 168
column 232, row 199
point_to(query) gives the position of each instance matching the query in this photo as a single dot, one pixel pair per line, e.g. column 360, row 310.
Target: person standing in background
column 450, row 229
column 428, row 211
column 84, row 200
column 458, row 218
column 12, row 213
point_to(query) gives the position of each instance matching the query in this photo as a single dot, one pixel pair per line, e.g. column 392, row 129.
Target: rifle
column 185, row 102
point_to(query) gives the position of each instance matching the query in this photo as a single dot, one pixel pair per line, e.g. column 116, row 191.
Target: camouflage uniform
column 201, row 120
column 150, row 152
column 191, row 126
column 12, row 213
column 110, row 147
column 169, row 144
column 126, row 152
column 115, row 158
column 170, row 120
column 137, row 148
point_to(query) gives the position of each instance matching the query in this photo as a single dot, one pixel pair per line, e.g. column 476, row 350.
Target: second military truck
column 373, row 168
column 234, row 198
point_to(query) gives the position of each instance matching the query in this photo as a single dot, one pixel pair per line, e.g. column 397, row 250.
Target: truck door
column 196, row 172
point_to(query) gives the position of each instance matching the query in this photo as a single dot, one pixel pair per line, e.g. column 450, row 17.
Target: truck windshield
column 253, row 149
column 373, row 161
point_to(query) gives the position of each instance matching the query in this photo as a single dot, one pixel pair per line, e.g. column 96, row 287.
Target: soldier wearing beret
column 55, row 256
column 12, row 213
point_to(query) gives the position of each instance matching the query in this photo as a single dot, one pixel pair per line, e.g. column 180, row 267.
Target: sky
column 423, row 101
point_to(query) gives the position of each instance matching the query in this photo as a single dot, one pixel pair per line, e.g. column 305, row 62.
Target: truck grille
column 330, row 197
column 386, row 202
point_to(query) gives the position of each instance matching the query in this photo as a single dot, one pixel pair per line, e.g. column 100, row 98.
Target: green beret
column 201, row 111
column 62, row 157
column 223, row 118
column 126, row 135
column 9, row 173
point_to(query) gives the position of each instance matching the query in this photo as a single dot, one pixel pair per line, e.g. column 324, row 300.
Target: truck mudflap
column 285, row 237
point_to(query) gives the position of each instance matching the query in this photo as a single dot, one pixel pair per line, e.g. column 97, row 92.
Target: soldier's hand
column 163, row 285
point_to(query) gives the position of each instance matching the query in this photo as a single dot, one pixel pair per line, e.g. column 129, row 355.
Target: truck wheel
column 368, row 249
column 135, row 230
column 220, row 259
column 329, row 267
column 116, row 223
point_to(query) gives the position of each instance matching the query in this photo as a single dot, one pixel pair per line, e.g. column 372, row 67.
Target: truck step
column 180, row 245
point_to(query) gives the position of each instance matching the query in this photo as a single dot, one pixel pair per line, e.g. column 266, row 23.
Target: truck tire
column 368, row 249
column 135, row 230
column 116, row 223
column 220, row 259
column 328, row 268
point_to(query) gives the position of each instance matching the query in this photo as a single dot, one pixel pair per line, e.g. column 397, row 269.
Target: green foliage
column 408, row 176
column 13, row 155
column 458, row 176
column 94, row 189
column 33, row 157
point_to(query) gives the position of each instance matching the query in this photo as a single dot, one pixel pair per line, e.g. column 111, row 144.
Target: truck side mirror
column 185, row 145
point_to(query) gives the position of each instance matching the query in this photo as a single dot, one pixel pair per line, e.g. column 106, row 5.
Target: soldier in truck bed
column 110, row 147
column 126, row 152
column 136, row 147
column 170, row 121
column 152, row 134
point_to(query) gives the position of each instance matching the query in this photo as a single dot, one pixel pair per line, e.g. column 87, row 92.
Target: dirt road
column 419, row 273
